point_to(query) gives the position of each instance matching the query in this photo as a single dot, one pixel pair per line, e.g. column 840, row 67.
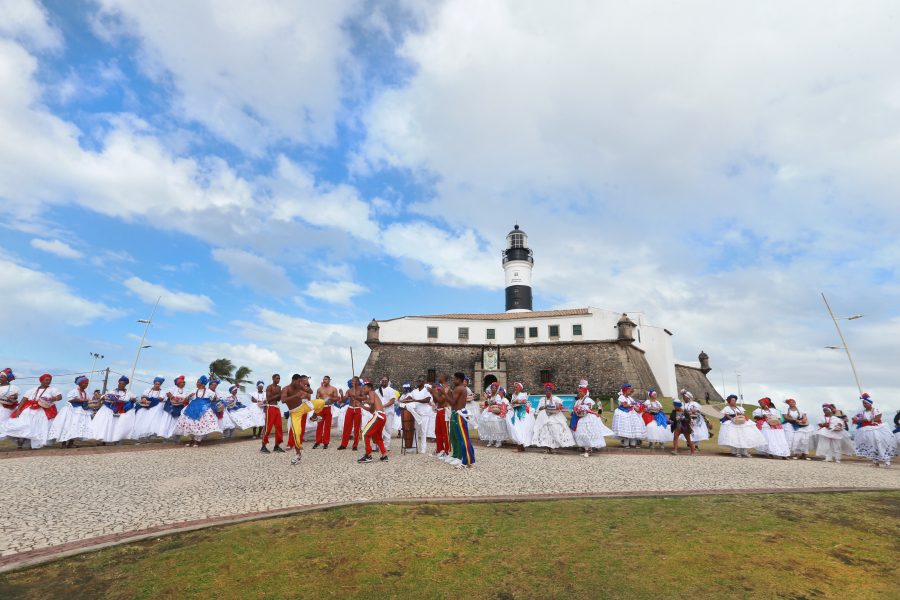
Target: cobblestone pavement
column 52, row 500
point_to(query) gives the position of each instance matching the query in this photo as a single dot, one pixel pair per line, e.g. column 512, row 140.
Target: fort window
column 520, row 333
column 431, row 377
column 553, row 331
column 463, row 333
column 491, row 334
column 545, row 376
column 432, row 333
column 532, row 332
column 576, row 329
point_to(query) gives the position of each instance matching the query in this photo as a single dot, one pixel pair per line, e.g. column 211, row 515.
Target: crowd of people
column 441, row 411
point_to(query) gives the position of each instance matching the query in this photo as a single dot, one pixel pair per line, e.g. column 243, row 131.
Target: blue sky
column 282, row 173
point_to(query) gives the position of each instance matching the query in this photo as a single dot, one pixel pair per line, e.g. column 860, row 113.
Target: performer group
column 445, row 411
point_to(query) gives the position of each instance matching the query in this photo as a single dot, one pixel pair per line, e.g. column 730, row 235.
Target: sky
column 280, row 173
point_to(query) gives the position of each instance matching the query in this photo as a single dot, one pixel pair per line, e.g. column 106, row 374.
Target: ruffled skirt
column 257, row 414
column 552, row 431
column 798, row 439
column 30, row 424
column 243, row 418
column 206, row 424
column 590, row 431
column 520, row 427
column 775, row 442
column 628, row 425
column 740, row 437
column 827, row 442
column 491, row 427
column 103, row 427
column 226, row 420
column 71, row 424
column 147, row 421
column 875, row 442
column 165, row 426
column 658, row 433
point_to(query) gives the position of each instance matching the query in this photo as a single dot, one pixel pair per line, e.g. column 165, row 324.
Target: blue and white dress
column 147, row 418
column 199, row 417
column 115, row 419
column 175, row 402
column 589, row 430
column 241, row 415
column 627, row 423
column 657, row 429
column 520, row 420
column 798, row 436
column 492, row 427
column 551, row 430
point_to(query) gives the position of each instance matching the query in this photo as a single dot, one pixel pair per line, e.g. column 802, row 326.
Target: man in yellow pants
column 296, row 396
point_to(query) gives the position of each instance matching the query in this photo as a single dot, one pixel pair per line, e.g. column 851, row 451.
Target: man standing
column 259, row 399
column 374, row 428
column 329, row 394
column 273, row 415
column 388, row 397
column 463, row 452
column 418, row 403
column 441, row 433
column 353, row 417
column 305, row 392
column 296, row 396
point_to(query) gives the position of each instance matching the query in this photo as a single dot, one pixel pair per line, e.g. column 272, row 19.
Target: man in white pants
column 419, row 403
column 388, row 396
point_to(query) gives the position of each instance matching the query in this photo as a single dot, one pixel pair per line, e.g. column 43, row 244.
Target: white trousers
column 832, row 450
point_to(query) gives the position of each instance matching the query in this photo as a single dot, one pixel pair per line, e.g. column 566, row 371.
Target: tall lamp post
column 844, row 345
column 141, row 345
column 95, row 356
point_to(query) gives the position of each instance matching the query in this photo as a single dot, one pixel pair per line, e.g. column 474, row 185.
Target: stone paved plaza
column 52, row 500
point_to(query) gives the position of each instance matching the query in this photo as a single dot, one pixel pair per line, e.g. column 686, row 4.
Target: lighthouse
column 518, row 262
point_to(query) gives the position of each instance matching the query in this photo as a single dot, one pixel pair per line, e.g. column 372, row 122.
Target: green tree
column 224, row 369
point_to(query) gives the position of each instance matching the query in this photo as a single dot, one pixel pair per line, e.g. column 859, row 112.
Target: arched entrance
column 488, row 380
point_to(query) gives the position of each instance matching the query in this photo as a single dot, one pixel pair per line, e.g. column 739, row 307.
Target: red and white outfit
column 422, row 413
column 373, row 430
column 798, row 439
column 551, row 430
column 9, row 399
column 74, row 419
column 833, row 439
column 114, row 421
column 589, row 430
column 874, row 439
column 492, row 425
column 323, row 426
column 352, row 424
column 32, row 419
column 776, row 442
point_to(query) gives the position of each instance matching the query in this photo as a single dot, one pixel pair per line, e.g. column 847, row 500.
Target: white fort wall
column 596, row 325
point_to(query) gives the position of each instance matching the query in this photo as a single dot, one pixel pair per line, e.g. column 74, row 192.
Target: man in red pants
column 273, row 415
column 329, row 394
column 353, row 418
column 373, row 430
column 441, row 433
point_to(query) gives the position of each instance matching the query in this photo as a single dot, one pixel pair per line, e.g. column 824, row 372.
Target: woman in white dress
column 832, row 437
column 198, row 419
column 9, row 396
column 551, row 430
column 148, row 412
column 492, row 420
column 699, row 427
column 74, row 419
column 628, row 425
column 114, row 420
column 520, row 418
column 31, row 420
column 176, row 400
column 874, row 439
column 768, row 421
column 588, row 430
column 658, row 424
column 798, row 430
column 257, row 408
column 240, row 414
column 737, row 431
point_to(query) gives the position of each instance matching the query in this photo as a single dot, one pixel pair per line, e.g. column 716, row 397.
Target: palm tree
column 223, row 368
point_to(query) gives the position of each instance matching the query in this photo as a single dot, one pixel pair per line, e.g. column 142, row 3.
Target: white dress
column 874, row 441
column 240, row 414
column 776, row 442
column 32, row 423
column 167, row 421
column 147, row 420
column 520, row 421
column 110, row 423
column 393, row 423
column 627, row 423
column 198, row 418
column 255, row 406
column 832, row 436
column 798, row 439
column 6, row 406
column 74, row 420
column 739, row 437
column 589, row 429
column 491, row 427
column 699, row 430
column 657, row 429
column 551, row 430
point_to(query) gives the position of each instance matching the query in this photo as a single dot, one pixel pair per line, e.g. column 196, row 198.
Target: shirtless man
column 442, row 405
column 463, row 452
column 273, row 415
column 374, row 428
column 296, row 395
column 330, row 395
column 353, row 417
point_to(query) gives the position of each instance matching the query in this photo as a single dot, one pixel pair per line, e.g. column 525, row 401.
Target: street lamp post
column 95, row 356
column 141, row 346
column 844, row 345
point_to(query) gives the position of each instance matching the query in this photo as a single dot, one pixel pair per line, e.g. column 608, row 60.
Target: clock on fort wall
column 490, row 359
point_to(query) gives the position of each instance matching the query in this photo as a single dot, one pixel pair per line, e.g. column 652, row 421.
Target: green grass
column 743, row 546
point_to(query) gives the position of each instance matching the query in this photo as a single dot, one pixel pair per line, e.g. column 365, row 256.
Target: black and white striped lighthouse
column 518, row 262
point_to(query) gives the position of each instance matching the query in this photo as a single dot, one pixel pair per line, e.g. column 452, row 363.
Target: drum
column 408, row 427
column 774, row 423
column 740, row 420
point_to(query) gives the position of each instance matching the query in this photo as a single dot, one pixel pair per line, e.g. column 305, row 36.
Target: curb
column 52, row 553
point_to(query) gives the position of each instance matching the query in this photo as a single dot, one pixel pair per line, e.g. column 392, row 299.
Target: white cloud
column 254, row 271
column 335, row 292
column 174, row 301
column 261, row 360
column 36, row 301
column 56, row 247
column 251, row 75
column 26, row 20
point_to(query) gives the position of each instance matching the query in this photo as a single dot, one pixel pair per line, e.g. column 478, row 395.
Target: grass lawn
column 770, row 546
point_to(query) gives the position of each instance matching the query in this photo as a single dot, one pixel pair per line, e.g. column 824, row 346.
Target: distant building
column 563, row 346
